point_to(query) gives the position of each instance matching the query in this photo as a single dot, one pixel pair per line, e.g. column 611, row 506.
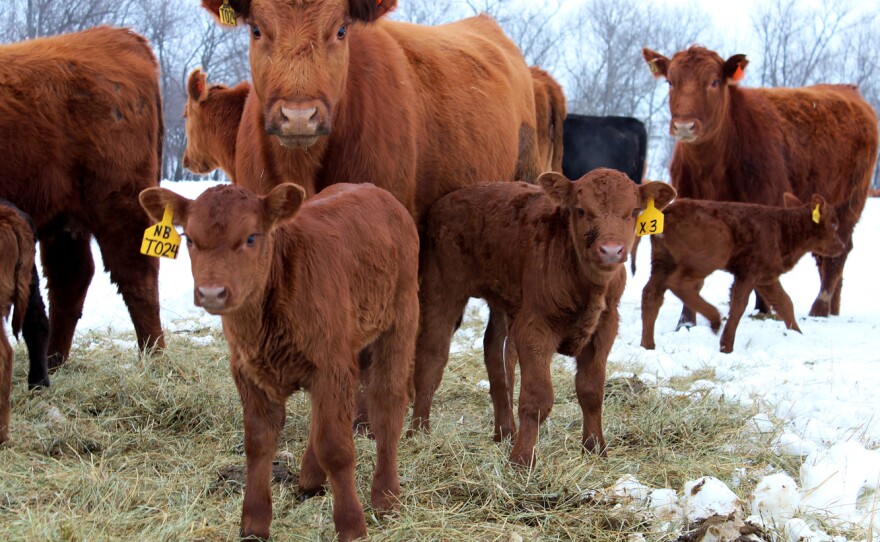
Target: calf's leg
column 688, row 290
column 778, row 298
column 36, row 336
column 535, row 345
column 590, row 379
column 739, row 299
column 500, row 383
column 6, row 356
column 652, row 300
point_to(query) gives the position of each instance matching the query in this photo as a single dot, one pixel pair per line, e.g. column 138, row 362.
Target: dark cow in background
column 81, row 131
column 549, row 258
column 590, row 142
column 20, row 292
column 756, row 243
column 550, row 111
column 301, row 289
column 754, row 144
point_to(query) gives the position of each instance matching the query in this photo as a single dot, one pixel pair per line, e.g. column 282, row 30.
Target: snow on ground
column 823, row 386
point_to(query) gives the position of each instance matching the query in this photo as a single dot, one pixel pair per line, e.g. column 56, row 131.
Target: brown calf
column 756, row 243
column 299, row 299
column 754, row 144
column 550, row 111
column 81, row 132
column 17, row 254
column 551, row 259
column 213, row 114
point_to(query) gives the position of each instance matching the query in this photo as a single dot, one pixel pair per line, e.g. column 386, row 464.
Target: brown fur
column 298, row 304
column 753, row 145
column 550, row 111
column 81, row 131
column 16, row 262
column 213, row 114
column 552, row 261
column 417, row 110
column 756, row 243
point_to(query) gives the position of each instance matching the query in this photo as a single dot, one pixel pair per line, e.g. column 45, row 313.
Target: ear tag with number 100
column 650, row 222
column 162, row 240
column 227, row 14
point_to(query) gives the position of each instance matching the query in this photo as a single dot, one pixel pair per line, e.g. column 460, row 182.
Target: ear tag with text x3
column 650, row 222
column 162, row 240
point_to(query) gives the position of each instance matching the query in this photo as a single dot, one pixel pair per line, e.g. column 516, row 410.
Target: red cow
column 550, row 110
column 81, row 132
column 753, row 145
column 756, row 243
column 552, row 261
column 299, row 299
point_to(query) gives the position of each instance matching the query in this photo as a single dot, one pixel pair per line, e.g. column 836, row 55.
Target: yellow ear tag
column 161, row 240
column 816, row 215
column 227, row 14
column 650, row 222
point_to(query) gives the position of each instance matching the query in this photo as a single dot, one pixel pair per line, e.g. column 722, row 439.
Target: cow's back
column 478, row 104
column 77, row 107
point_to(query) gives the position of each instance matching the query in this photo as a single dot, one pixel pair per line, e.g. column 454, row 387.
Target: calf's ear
column 197, row 85
column 735, row 69
column 369, row 10
column 282, row 203
column 660, row 192
column 241, row 7
column 790, row 201
column 822, row 203
column 557, row 186
column 154, row 200
column 657, row 63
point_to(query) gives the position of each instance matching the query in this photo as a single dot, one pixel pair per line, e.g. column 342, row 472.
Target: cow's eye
column 714, row 83
column 252, row 239
column 340, row 34
column 189, row 242
column 255, row 32
column 835, row 225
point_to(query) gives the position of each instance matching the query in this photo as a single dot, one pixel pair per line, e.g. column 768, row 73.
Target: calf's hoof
column 522, row 459
column 303, row 494
column 253, row 536
column 686, row 324
column 504, row 433
column 595, row 445
column 726, row 348
column 649, row 345
column 820, row 309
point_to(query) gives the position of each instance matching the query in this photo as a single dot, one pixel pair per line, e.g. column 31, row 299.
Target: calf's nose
column 212, row 297
column 612, row 252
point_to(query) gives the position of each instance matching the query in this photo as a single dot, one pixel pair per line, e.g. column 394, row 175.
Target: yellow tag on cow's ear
column 816, row 215
column 650, row 222
column 162, row 240
column 227, row 14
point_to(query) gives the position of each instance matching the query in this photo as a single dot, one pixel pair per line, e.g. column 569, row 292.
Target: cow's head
column 699, row 89
column 823, row 226
column 299, row 59
column 602, row 208
column 229, row 234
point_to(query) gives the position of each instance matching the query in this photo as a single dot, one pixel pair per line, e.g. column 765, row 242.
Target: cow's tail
column 558, row 111
column 161, row 135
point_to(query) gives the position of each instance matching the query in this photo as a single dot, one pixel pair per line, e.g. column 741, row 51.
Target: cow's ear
column 735, row 69
column 557, row 186
column 369, row 10
column 197, row 86
column 241, row 7
column 154, row 200
column 657, row 63
column 282, row 203
column 790, row 201
column 662, row 194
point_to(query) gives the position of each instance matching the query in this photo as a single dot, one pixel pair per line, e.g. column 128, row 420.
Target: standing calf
column 551, row 258
column 299, row 299
column 756, row 243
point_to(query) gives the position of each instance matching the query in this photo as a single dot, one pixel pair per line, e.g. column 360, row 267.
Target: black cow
column 588, row 142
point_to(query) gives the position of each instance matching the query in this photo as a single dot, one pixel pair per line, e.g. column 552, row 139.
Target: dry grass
column 122, row 448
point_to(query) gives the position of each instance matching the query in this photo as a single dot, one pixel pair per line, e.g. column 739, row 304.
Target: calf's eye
column 255, row 32
column 340, row 34
column 581, row 213
column 252, row 239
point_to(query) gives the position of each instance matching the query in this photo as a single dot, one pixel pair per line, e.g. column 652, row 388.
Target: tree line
column 593, row 47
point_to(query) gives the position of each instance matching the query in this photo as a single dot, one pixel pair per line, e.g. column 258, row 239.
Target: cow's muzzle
column 298, row 124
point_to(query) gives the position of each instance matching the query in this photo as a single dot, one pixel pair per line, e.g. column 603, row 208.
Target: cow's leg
column 68, row 266
column 36, row 335
column 590, row 379
column 762, row 305
column 652, row 300
column 688, row 290
column 387, row 402
column 311, row 475
column 333, row 400
column 830, row 275
column 6, row 356
column 535, row 345
column 135, row 275
column 739, row 299
column 500, row 386
column 778, row 298
column 439, row 314
column 362, row 419
column 263, row 421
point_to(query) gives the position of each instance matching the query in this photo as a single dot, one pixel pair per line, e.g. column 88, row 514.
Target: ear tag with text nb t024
column 227, row 14
column 162, row 240
column 650, row 222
